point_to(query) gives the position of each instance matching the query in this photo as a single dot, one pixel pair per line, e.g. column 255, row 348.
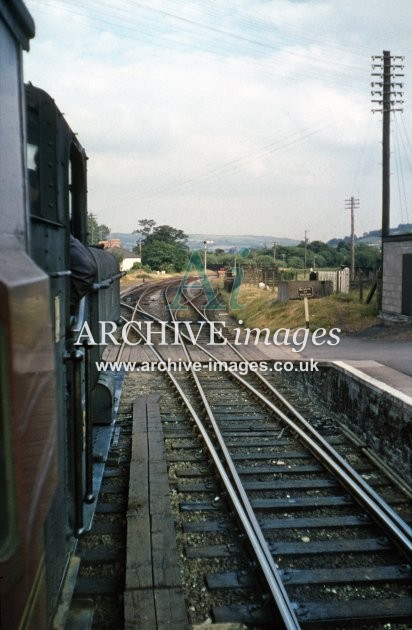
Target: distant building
column 397, row 277
column 127, row 258
column 113, row 242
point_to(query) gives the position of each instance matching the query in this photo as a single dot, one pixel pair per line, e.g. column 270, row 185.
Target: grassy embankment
column 336, row 311
column 260, row 310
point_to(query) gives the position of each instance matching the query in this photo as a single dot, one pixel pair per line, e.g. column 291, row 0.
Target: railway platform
column 153, row 596
column 382, row 363
column 385, row 364
column 154, row 591
column 297, row 472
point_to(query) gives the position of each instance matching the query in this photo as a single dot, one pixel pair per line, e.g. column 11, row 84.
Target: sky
column 217, row 117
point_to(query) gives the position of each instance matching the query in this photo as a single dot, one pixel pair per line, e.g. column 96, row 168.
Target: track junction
column 228, row 497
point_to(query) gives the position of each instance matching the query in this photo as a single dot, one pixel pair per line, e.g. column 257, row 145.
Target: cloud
column 214, row 119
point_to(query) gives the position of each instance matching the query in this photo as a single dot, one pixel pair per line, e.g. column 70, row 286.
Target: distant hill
column 374, row 236
column 220, row 241
column 227, row 241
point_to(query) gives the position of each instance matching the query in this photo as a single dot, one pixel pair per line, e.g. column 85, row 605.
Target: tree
column 367, row 256
column 159, row 255
column 222, row 259
column 264, row 260
column 95, row 231
column 296, row 262
column 329, row 258
column 167, row 234
column 317, row 246
column 146, row 227
column 164, row 247
column 318, row 261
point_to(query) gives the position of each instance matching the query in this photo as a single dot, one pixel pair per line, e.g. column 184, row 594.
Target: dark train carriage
column 28, row 458
column 84, row 286
column 57, row 196
column 50, row 393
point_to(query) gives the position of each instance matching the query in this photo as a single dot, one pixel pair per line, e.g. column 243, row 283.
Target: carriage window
column 34, row 178
column 78, row 192
column 32, row 156
column 8, row 515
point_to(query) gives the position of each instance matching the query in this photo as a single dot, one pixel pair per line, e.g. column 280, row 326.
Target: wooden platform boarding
column 153, row 598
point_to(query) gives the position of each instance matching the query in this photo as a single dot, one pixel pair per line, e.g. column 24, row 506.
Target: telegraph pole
column 386, row 143
column 351, row 204
column 275, row 243
column 389, row 92
column 306, row 243
column 92, row 220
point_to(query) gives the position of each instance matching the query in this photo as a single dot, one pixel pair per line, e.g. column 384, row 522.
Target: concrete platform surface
column 388, row 361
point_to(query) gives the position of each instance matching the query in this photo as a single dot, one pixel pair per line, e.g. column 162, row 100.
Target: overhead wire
column 315, row 68
column 177, row 27
column 119, row 15
column 210, row 174
column 359, row 164
column 403, row 200
column 407, row 147
column 256, row 22
column 235, row 166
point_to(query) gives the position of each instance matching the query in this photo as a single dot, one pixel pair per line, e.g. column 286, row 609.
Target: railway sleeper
column 352, row 575
column 318, row 614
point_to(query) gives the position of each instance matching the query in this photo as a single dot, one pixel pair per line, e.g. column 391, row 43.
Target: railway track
column 331, row 555
column 274, row 527
column 101, row 551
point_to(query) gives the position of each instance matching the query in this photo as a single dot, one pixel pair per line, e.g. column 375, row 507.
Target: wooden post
column 360, row 286
column 306, row 305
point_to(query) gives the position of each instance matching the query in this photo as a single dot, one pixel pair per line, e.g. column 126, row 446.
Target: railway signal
column 206, row 243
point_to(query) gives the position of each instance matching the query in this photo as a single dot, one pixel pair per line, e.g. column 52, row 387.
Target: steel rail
column 231, row 466
column 259, row 546
column 142, row 290
column 399, row 530
column 377, row 508
column 146, row 287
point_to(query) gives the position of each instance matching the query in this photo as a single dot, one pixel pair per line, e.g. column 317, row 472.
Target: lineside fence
column 277, row 280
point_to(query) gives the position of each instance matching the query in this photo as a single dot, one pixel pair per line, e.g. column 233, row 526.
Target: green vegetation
column 164, row 247
column 95, row 231
column 336, row 311
column 318, row 255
